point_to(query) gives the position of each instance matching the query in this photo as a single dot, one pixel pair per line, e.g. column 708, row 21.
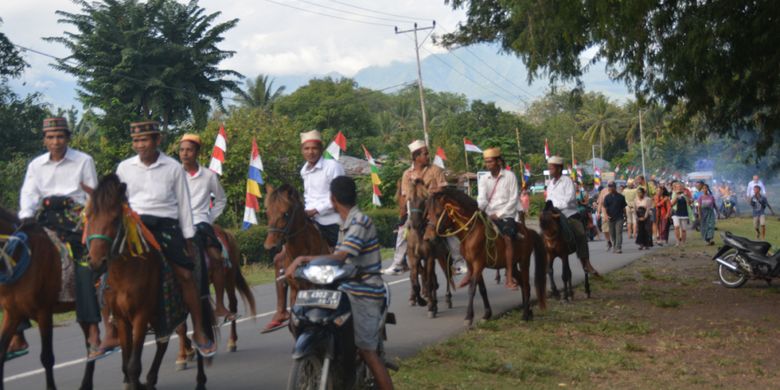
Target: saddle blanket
column 68, row 275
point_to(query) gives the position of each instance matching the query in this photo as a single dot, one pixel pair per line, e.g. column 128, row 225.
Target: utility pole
column 642, row 144
column 419, row 72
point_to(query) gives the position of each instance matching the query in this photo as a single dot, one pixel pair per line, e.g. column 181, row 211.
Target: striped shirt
column 358, row 238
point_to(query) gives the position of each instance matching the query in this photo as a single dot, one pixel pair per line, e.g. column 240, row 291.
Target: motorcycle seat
column 761, row 247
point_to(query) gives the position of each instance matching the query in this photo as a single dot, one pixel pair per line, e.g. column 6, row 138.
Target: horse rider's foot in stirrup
column 511, row 285
column 279, row 321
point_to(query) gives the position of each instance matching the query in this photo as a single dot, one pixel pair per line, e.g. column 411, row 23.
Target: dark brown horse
column 454, row 213
column 555, row 247
column 134, row 282
column 234, row 280
column 290, row 230
column 35, row 295
column 422, row 255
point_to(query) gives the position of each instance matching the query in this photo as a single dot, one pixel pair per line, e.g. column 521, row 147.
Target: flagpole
column 572, row 151
column 468, row 181
column 642, row 144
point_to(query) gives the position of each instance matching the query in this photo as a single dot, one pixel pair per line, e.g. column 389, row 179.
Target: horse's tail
column 540, row 268
column 208, row 319
column 241, row 284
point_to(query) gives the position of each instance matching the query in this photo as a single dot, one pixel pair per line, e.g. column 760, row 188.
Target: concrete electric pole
column 419, row 72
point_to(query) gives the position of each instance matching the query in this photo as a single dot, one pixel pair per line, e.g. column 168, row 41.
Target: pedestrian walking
column 681, row 211
column 644, row 222
column 759, row 204
column 663, row 209
column 614, row 208
column 707, row 214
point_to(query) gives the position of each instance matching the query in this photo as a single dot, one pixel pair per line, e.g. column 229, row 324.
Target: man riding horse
column 433, row 178
column 157, row 190
column 203, row 184
column 561, row 192
column 52, row 195
column 317, row 173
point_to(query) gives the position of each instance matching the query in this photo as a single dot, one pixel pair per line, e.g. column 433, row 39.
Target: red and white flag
column 335, row 148
column 218, row 154
column 470, row 147
column 440, row 158
column 546, row 150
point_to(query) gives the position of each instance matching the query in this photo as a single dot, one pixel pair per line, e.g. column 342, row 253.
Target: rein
column 286, row 235
column 466, row 224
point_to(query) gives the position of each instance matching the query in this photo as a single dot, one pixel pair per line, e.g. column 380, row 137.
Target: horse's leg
column 470, row 309
column 185, row 347
column 414, row 270
column 125, row 339
column 551, row 274
column 525, row 284
column 230, row 287
column 47, row 348
column 485, row 301
column 201, row 378
column 587, row 283
column 567, row 289
column 431, row 286
column 498, row 276
column 154, row 369
column 137, row 344
column 10, row 323
column 89, row 370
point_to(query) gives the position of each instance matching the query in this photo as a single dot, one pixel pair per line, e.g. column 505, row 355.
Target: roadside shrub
column 250, row 245
column 385, row 220
column 536, row 204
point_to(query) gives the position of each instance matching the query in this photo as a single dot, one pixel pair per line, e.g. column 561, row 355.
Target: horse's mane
column 109, row 194
column 546, row 217
column 279, row 193
column 459, row 197
column 420, row 190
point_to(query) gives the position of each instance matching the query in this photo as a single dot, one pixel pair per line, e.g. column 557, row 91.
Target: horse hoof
column 468, row 323
column 231, row 346
column 422, row 302
column 431, row 314
column 191, row 355
column 181, row 365
column 412, row 302
column 528, row 316
column 449, row 305
column 488, row 315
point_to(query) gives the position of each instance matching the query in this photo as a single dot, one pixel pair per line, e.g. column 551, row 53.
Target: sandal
column 97, row 353
column 208, row 350
column 274, row 325
column 10, row 355
column 230, row 318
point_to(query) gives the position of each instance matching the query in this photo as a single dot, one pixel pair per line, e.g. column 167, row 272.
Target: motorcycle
column 728, row 207
column 741, row 259
column 325, row 356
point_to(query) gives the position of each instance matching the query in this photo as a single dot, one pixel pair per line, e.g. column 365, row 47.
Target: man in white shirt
column 756, row 182
column 157, row 190
column 563, row 195
column 317, row 173
column 52, row 195
column 204, row 184
column 497, row 197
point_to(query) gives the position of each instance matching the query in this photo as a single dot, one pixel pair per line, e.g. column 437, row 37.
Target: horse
column 289, row 228
column 134, row 282
column 556, row 247
column 453, row 213
column 233, row 280
column 422, row 255
column 35, row 295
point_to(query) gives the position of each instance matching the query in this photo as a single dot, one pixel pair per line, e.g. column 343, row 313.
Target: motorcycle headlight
column 322, row 274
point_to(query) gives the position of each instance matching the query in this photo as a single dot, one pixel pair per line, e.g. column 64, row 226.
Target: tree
column 156, row 60
column 11, row 63
column 717, row 58
column 600, row 119
column 260, row 92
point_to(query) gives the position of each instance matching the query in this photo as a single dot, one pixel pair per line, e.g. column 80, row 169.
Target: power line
column 329, row 15
column 410, row 19
column 351, row 12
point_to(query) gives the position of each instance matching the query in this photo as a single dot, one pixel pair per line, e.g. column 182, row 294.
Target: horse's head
column 417, row 205
column 283, row 207
column 104, row 212
column 549, row 220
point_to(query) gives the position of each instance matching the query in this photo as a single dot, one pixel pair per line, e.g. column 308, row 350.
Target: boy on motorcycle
column 358, row 244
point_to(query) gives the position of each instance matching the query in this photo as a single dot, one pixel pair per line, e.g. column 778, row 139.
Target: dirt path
column 660, row 323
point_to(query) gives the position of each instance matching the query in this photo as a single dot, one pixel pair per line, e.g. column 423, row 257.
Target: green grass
column 258, row 274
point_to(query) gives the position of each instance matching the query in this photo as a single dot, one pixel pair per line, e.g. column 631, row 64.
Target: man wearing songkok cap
column 157, row 190
column 208, row 200
column 561, row 192
column 52, row 195
column 497, row 197
column 317, row 173
column 433, row 178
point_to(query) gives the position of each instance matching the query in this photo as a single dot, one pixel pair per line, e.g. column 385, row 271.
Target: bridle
column 285, row 231
column 113, row 243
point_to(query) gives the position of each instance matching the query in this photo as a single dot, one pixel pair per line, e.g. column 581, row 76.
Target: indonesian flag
column 597, row 177
column 375, row 181
column 218, row 153
column 617, row 168
column 253, row 182
column 579, row 174
column 546, row 150
column 470, row 147
column 440, row 158
column 527, row 172
column 335, row 148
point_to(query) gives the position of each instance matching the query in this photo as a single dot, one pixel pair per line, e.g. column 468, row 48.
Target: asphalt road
column 263, row 361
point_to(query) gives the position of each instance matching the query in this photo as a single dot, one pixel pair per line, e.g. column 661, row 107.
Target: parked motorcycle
column 325, row 356
column 741, row 259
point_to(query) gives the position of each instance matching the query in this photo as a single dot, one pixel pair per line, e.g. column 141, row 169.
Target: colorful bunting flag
column 375, row 181
column 440, row 158
column 339, row 144
column 597, row 177
column 527, row 172
column 546, row 150
column 470, row 147
column 617, row 169
column 218, row 153
column 253, row 181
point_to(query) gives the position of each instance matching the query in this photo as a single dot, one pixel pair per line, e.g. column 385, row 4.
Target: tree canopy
column 717, row 60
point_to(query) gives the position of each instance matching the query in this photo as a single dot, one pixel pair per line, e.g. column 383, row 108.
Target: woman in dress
column 642, row 205
column 707, row 214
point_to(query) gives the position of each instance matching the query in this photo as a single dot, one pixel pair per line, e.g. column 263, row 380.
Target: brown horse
column 35, row 295
column 290, row 230
column 454, row 213
column 556, row 247
column 422, row 255
column 233, row 280
column 134, row 282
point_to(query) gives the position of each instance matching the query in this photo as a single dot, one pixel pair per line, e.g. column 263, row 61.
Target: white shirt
column 563, row 196
column 46, row 178
column 754, row 183
column 202, row 184
column 316, row 189
column 159, row 190
column 504, row 190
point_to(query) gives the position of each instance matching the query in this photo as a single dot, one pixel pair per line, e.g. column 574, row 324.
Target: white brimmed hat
column 311, row 136
column 555, row 160
column 416, row 145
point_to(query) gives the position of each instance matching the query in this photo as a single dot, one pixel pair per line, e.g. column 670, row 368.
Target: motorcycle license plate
column 328, row 299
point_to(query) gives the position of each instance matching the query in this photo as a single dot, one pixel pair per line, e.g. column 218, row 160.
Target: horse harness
column 467, row 224
column 285, row 232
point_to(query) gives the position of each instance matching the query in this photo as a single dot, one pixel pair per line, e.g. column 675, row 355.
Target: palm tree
column 600, row 118
column 260, row 92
